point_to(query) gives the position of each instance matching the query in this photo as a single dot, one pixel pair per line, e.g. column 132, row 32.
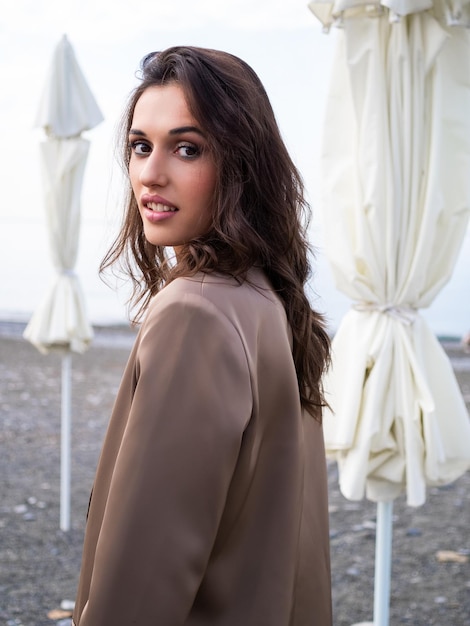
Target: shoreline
column 15, row 328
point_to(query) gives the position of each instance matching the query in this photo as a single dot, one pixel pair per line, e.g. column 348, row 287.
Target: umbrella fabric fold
column 67, row 106
column 399, row 419
column 60, row 321
column 396, row 187
column 449, row 12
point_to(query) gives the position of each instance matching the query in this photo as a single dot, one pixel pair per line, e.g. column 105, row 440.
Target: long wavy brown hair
column 260, row 214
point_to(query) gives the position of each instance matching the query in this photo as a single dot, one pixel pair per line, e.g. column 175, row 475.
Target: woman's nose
column 154, row 170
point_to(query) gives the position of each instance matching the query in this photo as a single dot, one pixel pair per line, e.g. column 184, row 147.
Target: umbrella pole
column 65, row 439
column 383, row 562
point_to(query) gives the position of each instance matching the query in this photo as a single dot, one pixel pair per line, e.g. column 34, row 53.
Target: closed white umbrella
column 449, row 12
column 67, row 108
column 396, row 195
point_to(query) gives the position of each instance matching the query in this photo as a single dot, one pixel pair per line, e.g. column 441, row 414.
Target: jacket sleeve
column 191, row 404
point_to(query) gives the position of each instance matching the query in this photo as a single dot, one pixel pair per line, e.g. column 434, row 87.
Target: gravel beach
column 39, row 563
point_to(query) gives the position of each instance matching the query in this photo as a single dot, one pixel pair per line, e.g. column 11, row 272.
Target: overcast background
column 282, row 41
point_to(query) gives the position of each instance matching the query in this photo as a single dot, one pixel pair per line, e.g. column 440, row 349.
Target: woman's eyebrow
column 186, row 129
column 174, row 131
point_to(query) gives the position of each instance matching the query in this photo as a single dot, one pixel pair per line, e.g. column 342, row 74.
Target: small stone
column 20, row 508
column 413, row 532
column 369, row 525
column 449, row 556
column 352, row 571
column 29, row 517
column 31, row 500
column 67, row 605
column 440, row 599
column 56, row 614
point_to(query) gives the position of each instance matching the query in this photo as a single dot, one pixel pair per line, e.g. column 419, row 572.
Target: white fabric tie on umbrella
column 396, row 187
column 67, row 108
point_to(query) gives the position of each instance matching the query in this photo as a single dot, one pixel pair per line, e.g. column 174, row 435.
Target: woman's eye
column 188, row 151
column 140, row 148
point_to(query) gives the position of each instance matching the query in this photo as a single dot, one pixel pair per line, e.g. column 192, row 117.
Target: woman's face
column 172, row 172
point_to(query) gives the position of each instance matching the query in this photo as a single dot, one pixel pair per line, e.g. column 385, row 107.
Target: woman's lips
column 157, row 211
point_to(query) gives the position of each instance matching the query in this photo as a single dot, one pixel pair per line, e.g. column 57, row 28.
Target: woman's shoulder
column 221, row 294
column 221, row 289
column 245, row 313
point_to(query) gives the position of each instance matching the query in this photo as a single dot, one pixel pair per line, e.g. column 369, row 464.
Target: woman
column 210, row 502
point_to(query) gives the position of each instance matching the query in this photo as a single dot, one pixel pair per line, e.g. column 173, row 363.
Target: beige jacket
column 209, row 506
